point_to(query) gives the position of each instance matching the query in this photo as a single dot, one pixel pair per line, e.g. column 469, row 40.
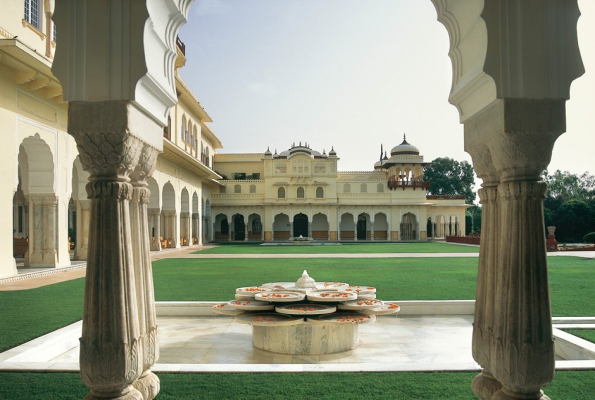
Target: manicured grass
column 571, row 279
column 27, row 314
column 396, row 279
column 587, row 334
column 250, row 248
column 567, row 385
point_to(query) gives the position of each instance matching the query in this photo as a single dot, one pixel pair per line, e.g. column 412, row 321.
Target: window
column 300, row 193
column 32, row 13
column 281, row 193
column 380, row 188
column 188, row 132
column 363, row 188
column 252, row 188
column 347, row 188
column 222, row 189
column 182, row 132
column 54, row 33
column 319, row 192
column 237, row 189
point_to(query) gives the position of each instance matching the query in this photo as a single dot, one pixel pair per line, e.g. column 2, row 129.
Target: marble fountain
column 305, row 317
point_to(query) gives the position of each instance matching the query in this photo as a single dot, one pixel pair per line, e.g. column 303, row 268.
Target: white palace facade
column 301, row 192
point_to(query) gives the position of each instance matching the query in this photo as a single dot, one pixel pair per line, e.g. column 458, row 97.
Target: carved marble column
column 43, row 231
column 155, row 218
column 246, row 236
column 82, row 231
column 196, row 234
column 148, row 383
column 185, row 228
column 512, row 337
column 111, row 351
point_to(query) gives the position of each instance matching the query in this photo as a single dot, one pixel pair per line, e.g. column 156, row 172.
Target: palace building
column 301, row 192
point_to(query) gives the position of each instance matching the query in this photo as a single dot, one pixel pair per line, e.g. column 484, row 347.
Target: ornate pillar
column 43, row 227
column 510, row 84
column 148, row 383
column 82, row 231
column 196, row 235
column 185, row 228
column 111, row 352
column 246, row 229
column 372, row 231
column 119, row 98
column 155, row 233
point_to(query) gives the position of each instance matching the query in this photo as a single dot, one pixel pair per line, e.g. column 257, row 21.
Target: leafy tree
column 450, row 177
column 574, row 219
column 564, row 186
column 475, row 213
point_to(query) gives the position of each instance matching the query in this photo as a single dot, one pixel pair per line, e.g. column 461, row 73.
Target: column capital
column 513, row 139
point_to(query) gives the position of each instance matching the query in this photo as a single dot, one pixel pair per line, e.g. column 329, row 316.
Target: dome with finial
column 268, row 153
column 404, row 148
column 332, row 153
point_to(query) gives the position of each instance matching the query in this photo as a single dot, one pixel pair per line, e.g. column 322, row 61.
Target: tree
column 564, row 186
column 475, row 213
column 450, row 177
column 574, row 219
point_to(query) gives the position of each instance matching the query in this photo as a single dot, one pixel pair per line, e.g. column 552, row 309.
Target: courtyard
column 410, row 356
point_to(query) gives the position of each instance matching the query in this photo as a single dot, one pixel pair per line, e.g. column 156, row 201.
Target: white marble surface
column 217, row 344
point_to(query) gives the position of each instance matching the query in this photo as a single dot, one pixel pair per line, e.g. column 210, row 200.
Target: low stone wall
column 463, row 239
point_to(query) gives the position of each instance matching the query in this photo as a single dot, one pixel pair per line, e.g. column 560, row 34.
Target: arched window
column 252, row 188
column 300, row 193
column 237, row 189
column 188, row 131
column 183, row 131
column 380, row 188
column 347, row 188
column 281, row 193
column 319, row 192
column 363, row 188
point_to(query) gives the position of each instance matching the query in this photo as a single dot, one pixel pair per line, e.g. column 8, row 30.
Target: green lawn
column 571, row 278
column 28, row 314
column 567, row 385
column 587, row 334
column 251, row 248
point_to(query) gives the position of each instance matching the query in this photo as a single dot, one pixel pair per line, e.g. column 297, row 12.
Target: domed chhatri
column 404, row 148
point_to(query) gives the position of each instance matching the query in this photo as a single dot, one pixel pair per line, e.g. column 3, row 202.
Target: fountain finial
column 305, row 281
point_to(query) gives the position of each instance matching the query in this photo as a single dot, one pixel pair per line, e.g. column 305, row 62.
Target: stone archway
column 239, row 227
column 362, row 227
column 300, row 225
column 169, row 217
column 409, row 227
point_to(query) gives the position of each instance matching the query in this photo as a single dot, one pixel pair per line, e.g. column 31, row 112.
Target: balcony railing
column 181, row 45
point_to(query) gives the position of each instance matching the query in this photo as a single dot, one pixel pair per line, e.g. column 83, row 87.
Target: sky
column 348, row 74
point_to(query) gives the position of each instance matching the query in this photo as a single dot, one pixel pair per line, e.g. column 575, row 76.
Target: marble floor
column 218, row 344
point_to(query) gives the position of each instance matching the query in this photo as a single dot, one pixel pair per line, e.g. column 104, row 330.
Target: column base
column 504, row 394
column 130, row 393
column 148, row 385
column 484, row 385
